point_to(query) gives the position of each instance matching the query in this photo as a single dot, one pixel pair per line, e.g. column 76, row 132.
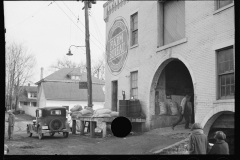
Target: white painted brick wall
column 203, row 30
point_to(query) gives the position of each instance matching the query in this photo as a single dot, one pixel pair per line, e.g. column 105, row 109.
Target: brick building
column 161, row 50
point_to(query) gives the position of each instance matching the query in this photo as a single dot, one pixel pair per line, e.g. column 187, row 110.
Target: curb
column 171, row 146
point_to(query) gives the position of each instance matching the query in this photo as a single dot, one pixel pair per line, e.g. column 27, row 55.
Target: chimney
column 41, row 76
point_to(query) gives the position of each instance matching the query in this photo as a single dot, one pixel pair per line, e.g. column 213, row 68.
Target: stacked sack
column 105, row 112
column 86, row 112
column 173, row 107
column 163, row 108
column 102, row 112
column 75, row 111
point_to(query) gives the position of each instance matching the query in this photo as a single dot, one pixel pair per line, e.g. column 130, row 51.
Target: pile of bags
column 104, row 112
column 77, row 111
column 170, row 108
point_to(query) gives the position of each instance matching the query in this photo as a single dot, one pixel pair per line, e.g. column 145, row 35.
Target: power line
column 97, row 29
column 81, row 23
column 31, row 15
column 76, row 25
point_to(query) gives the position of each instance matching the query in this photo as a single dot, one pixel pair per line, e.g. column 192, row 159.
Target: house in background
column 28, row 100
column 62, row 89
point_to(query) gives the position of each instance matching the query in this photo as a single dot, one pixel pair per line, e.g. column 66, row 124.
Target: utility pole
column 87, row 4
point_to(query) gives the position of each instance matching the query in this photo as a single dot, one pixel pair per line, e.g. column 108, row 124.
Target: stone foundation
column 164, row 121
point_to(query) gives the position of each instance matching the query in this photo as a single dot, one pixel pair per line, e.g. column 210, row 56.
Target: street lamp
column 69, row 51
column 89, row 78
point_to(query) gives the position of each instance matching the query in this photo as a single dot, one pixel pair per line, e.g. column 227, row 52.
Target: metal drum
column 123, row 107
column 134, row 108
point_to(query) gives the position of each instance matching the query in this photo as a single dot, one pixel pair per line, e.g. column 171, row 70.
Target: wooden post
column 104, row 134
column 74, row 126
column 82, row 127
column 88, row 56
column 92, row 129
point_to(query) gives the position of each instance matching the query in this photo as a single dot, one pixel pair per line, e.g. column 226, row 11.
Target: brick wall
column 204, row 29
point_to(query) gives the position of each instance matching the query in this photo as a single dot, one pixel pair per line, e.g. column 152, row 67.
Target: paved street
column 144, row 143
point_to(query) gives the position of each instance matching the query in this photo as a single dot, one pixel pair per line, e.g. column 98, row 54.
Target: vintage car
column 49, row 120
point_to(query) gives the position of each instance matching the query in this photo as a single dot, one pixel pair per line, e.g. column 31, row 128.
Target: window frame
column 131, row 84
column 134, row 40
column 51, row 112
column 161, row 44
column 220, row 75
column 217, row 4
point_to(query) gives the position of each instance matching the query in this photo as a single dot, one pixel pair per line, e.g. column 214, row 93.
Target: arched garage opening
column 171, row 82
column 221, row 121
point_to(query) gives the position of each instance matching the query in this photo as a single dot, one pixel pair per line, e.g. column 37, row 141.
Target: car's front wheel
column 65, row 134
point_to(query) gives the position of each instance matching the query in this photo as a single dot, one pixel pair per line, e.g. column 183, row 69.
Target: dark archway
column 172, row 81
column 222, row 121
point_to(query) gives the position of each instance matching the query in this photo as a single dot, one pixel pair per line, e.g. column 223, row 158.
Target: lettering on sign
column 117, row 46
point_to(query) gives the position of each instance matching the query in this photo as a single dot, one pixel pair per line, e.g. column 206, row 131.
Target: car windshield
column 56, row 112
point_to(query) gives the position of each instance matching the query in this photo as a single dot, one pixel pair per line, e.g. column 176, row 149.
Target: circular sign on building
column 117, row 46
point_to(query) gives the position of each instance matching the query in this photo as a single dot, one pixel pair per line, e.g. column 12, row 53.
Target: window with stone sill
column 134, row 84
column 226, row 76
column 222, row 3
column 134, row 29
column 171, row 16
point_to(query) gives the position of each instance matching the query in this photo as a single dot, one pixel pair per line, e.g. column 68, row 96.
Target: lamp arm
column 75, row 46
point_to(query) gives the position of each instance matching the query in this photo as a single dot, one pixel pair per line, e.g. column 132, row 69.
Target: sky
column 48, row 29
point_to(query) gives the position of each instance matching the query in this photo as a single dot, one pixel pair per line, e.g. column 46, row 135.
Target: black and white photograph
column 119, row 77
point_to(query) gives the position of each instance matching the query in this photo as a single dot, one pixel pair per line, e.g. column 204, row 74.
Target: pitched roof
column 32, row 89
column 63, row 73
column 70, row 91
column 23, row 95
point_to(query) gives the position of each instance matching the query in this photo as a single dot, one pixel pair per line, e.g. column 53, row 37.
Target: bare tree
column 20, row 64
column 65, row 63
column 98, row 68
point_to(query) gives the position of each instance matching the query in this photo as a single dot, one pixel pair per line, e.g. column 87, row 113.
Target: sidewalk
column 178, row 132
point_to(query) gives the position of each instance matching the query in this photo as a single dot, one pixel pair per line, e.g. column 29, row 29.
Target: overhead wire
column 82, row 24
column 97, row 29
column 77, row 26
column 31, row 15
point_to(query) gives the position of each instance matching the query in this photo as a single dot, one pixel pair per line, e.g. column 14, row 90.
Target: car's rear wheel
column 28, row 132
column 52, row 134
column 65, row 134
column 40, row 134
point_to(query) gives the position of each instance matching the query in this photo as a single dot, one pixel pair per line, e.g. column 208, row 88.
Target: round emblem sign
column 117, row 46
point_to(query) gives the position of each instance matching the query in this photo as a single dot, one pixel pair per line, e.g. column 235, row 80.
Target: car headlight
column 44, row 127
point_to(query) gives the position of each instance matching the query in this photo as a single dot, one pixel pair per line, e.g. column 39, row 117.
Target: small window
column 226, row 77
column 25, row 103
column 34, row 104
column 222, row 3
column 134, row 28
column 134, row 84
column 56, row 112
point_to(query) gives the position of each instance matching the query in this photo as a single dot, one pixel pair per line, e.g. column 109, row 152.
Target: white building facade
column 156, row 50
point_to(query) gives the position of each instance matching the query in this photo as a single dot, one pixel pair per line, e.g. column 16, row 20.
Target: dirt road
column 78, row 145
